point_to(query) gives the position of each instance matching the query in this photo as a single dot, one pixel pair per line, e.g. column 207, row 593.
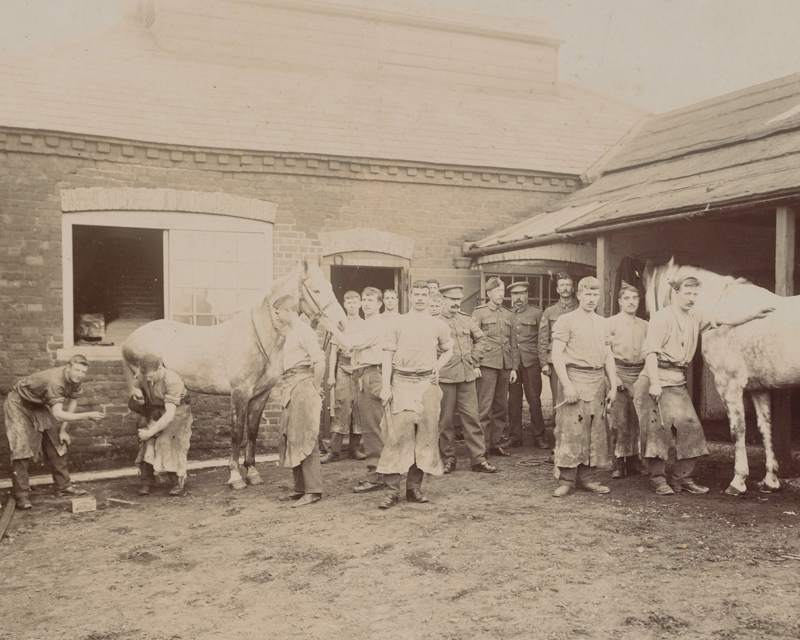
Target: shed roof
column 137, row 83
column 737, row 149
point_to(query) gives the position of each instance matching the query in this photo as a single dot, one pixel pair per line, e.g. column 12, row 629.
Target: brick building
column 174, row 164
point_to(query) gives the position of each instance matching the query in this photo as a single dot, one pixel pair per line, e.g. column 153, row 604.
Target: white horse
column 241, row 357
column 755, row 356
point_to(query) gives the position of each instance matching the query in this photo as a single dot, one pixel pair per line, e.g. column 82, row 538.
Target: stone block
column 84, row 504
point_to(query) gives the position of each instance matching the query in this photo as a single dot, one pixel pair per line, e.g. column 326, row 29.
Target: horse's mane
column 285, row 285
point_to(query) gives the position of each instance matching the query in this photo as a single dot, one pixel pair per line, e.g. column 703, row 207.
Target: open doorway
column 357, row 278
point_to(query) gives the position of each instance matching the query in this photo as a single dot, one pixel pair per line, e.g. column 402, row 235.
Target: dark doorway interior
column 356, row 278
column 118, row 272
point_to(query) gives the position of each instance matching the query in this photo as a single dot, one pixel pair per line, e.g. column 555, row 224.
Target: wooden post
column 784, row 286
column 605, row 275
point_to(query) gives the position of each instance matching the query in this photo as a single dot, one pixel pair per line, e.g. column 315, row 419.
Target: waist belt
column 665, row 364
column 414, row 374
column 365, row 369
column 580, row 368
column 629, row 365
column 300, row 369
column 344, row 360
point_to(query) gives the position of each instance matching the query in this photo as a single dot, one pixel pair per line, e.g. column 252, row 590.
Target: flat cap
column 452, row 290
column 493, row 283
column 518, row 287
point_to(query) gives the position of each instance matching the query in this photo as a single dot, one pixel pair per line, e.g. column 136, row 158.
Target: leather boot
column 634, row 465
column 334, row 449
column 353, row 452
column 178, row 484
column 620, row 470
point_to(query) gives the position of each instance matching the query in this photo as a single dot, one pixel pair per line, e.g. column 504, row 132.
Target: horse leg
column 734, row 401
column 238, row 417
column 761, row 401
column 254, row 410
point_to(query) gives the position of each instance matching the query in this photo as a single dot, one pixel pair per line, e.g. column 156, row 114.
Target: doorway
column 357, row 278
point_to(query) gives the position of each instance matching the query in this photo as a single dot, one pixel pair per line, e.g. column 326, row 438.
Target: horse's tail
column 650, row 298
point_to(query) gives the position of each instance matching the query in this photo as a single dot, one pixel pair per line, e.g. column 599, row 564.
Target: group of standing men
column 618, row 386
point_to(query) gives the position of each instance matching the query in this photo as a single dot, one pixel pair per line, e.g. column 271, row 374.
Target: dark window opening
column 118, row 281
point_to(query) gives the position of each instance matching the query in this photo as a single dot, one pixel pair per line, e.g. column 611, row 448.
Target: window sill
column 91, row 353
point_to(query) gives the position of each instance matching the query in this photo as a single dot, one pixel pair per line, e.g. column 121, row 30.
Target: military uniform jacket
column 526, row 330
column 497, row 324
column 549, row 318
column 469, row 345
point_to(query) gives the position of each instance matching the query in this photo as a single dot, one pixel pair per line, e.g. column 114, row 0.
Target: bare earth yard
column 488, row 557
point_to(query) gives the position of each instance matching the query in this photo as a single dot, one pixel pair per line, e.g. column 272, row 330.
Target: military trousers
column 529, row 383
column 461, row 397
column 493, row 403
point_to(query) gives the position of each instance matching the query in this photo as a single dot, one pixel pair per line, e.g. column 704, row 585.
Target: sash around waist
column 414, row 374
column 301, row 369
column 637, row 366
column 666, row 364
column 581, row 368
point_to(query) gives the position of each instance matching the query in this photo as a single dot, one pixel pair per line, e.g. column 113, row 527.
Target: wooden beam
column 784, row 286
column 605, row 275
column 784, row 251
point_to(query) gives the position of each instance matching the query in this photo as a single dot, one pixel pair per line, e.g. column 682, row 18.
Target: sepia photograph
column 399, row 319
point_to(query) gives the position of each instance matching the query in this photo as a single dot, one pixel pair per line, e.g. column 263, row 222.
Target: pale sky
column 658, row 54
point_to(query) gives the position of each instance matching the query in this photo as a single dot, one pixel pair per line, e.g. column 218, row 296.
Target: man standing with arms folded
column 33, row 409
column 413, row 398
column 529, row 377
column 565, row 287
column 343, row 385
column 457, row 382
column 497, row 365
column 626, row 333
column 583, row 362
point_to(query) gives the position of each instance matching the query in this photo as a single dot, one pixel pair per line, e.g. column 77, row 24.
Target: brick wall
column 438, row 207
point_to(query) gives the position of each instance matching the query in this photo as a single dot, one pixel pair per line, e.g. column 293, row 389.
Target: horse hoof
column 254, row 478
column 238, row 484
column 732, row 491
column 765, row 488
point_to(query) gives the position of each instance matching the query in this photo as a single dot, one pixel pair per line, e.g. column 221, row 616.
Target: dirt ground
column 488, row 557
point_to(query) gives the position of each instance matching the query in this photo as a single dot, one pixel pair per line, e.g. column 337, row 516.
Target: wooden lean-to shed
column 715, row 184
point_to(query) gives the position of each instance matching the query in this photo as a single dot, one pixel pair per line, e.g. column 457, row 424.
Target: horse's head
column 316, row 298
column 658, row 290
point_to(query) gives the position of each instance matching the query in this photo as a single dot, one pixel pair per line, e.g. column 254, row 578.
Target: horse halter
column 309, row 297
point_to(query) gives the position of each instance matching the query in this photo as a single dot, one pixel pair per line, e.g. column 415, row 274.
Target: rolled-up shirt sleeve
column 174, row 389
column 656, row 337
column 562, row 330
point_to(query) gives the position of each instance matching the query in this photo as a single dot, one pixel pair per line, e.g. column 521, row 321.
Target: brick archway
column 174, row 200
column 366, row 240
